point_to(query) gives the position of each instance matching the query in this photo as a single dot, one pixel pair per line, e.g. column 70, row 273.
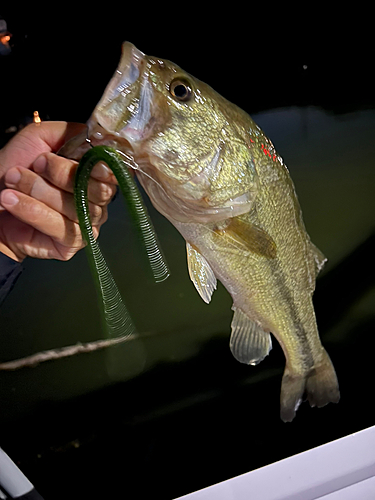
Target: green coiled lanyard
column 116, row 317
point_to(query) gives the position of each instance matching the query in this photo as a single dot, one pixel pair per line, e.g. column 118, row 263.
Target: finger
column 53, row 134
column 101, row 172
column 31, row 184
column 42, row 218
column 23, row 240
column 61, row 172
column 36, row 139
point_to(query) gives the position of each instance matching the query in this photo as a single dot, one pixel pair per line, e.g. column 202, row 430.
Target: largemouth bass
column 218, row 179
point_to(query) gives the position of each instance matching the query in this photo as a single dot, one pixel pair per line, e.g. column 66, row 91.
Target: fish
column 213, row 173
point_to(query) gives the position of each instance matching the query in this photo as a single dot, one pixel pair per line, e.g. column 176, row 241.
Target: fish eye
column 180, row 89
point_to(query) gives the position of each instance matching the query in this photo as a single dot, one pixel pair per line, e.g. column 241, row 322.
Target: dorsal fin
column 249, row 343
column 200, row 273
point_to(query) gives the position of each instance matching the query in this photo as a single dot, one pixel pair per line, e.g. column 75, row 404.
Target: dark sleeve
column 9, row 273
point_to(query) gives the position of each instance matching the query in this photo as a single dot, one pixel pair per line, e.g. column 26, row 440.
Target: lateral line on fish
column 301, row 335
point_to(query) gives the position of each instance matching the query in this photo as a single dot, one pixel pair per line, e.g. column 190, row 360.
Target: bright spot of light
column 5, row 39
column 36, row 118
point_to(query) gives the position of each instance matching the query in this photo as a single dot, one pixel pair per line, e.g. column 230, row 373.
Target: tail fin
column 320, row 386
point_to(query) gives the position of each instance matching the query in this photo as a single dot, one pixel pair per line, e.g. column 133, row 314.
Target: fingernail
column 40, row 164
column 100, row 170
column 9, row 198
column 12, row 177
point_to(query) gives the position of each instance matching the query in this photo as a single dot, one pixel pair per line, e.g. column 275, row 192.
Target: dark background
column 62, row 60
column 181, row 427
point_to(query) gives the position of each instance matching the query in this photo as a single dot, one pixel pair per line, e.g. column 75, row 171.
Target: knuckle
column 35, row 211
column 105, row 193
column 73, row 236
column 67, row 256
column 61, row 171
column 95, row 212
column 64, row 253
column 95, row 231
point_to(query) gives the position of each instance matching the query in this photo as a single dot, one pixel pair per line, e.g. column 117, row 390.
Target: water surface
column 186, row 385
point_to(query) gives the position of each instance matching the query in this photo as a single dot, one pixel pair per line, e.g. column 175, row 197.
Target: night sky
column 62, row 60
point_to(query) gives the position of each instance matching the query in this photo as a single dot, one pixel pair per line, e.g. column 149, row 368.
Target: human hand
column 37, row 212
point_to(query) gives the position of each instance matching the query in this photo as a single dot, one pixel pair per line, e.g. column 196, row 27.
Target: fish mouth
column 125, row 107
column 122, row 118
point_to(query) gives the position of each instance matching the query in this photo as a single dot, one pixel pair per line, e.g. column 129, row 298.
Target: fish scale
column 212, row 172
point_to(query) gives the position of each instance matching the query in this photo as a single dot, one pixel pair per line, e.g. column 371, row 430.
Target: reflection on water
column 331, row 160
column 186, row 342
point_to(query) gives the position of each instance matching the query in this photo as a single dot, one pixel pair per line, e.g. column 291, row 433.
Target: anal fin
column 249, row 343
column 200, row 273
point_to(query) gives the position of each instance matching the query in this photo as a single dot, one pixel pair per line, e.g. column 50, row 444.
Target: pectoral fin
column 251, row 237
column 249, row 343
column 200, row 273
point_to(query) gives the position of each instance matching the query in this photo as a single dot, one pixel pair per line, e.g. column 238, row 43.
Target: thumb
column 55, row 134
column 35, row 139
